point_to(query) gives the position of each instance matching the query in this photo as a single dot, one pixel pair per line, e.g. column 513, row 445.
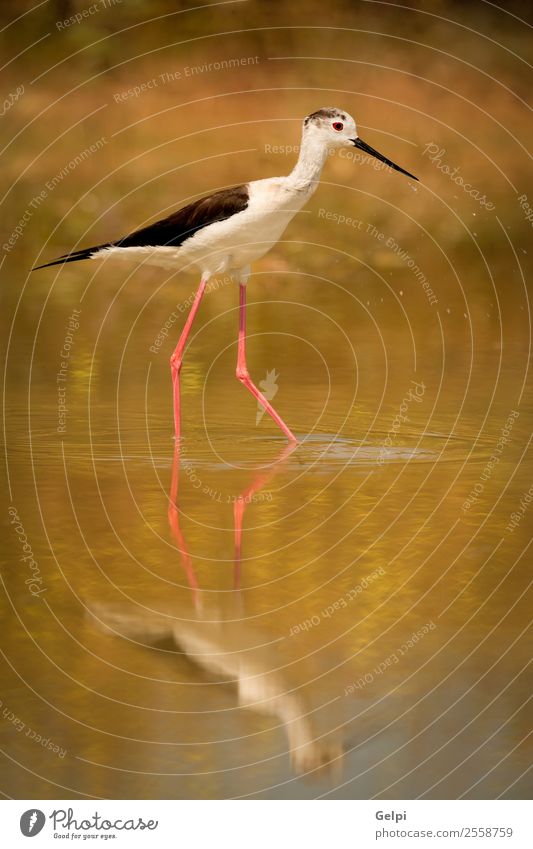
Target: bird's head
column 334, row 128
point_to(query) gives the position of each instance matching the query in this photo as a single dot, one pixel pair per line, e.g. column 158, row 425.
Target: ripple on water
column 135, row 445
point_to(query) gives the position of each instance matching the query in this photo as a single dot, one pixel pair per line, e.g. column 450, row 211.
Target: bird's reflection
column 175, row 528
column 269, row 674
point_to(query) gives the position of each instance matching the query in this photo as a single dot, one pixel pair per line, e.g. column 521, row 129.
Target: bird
column 225, row 232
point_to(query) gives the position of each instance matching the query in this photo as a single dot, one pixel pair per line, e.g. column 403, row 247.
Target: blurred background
column 347, row 620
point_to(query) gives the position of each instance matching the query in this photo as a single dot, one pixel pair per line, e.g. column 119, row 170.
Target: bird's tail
column 84, row 253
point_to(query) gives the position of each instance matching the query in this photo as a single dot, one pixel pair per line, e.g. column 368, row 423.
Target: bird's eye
column 337, row 126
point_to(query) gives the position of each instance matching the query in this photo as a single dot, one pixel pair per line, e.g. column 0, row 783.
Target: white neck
column 306, row 172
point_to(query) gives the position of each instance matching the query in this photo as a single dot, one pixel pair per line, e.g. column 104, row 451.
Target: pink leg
column 242, row 370
column 177, row 357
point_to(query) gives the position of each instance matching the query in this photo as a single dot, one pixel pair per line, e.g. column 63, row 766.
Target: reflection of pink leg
column 244, row 499
column 177, row 357
column 238, row 513
column 242, row 370
column 174, row 522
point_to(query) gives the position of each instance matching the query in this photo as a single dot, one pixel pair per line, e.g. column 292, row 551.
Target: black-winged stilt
column 230, row 229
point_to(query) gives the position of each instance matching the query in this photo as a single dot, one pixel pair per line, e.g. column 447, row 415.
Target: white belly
column 231, row 244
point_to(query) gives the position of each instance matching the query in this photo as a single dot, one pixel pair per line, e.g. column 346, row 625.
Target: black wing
column 174, row 230
column 85, row 253
column 181, row 225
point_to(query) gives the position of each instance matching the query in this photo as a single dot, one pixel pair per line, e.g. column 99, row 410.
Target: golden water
column 170, row 658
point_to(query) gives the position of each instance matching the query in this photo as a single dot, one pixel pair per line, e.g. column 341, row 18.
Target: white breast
column 248, row 235
column 234, row 243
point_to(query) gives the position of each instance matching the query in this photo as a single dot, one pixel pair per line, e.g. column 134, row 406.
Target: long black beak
column 367, row 149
